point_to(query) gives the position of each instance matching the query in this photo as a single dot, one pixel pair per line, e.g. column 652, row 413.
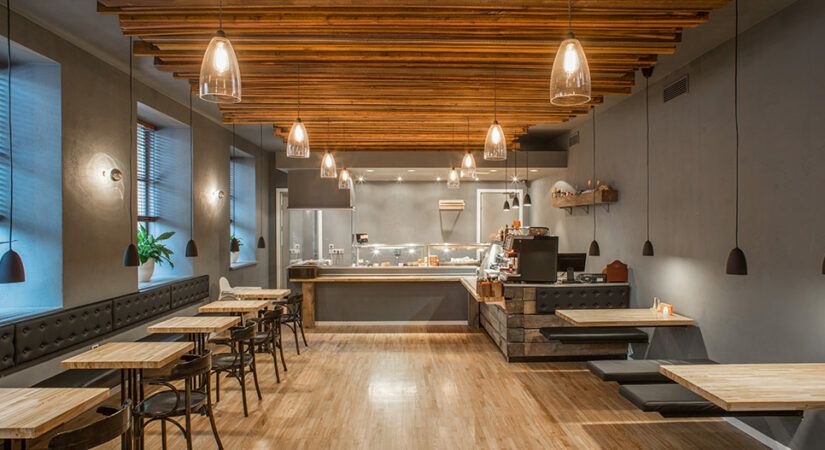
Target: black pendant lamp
column 647, row 248
column 130, row 255
column 737, row 264
column 516, row 204
column 261, row 241
column 191, row 247
column 234, row 243
column 527, row 201
column 11, row 264
column 506, row 207
column 594, row 250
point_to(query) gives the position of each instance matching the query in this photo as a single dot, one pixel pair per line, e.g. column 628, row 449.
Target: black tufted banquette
column 581, row 297
column 53, row 332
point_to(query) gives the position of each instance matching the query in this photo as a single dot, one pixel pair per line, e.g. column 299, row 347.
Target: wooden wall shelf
column 451, row 205
column 585, row 200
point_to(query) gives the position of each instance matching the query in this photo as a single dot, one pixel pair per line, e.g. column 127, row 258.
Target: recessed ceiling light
column 437, row 178
column 361, row 179
column 534, row 170
column 370, row 170
column 399, row 179
column 493, row 170
column 410, row 170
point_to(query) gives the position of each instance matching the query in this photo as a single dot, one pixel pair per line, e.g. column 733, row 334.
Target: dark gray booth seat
column 591, row 335
column 673, row 400
column 44, row 336
column 637, row 370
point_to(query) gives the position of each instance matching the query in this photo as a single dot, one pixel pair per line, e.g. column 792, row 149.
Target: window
column 242, row 211
column 147, row 172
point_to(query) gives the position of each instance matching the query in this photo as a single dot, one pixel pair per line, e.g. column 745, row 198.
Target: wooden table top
column 754, row 387
column 128, row 355
column 205, row 324
column 626, row 317
column 263, row 294
column 234, row 306
column 26, row 413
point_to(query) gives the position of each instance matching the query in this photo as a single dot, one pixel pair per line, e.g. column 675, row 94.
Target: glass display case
column 456, row 254
column 385, row 255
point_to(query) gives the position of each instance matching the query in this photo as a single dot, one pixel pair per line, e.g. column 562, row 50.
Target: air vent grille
column 574, row 139
column 677, row 88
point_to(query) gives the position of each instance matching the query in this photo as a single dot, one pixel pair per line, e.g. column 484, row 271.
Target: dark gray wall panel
column 370, row 302
column 548, row 300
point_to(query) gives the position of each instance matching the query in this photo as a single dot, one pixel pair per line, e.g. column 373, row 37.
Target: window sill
column 242, row 264
column 155, row 282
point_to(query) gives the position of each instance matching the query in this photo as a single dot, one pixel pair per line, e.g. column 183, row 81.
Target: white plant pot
column 146, row 270
column 234, row 256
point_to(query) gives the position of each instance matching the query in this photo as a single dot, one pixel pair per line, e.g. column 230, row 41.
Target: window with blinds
column 147, row 172
column 4, row 151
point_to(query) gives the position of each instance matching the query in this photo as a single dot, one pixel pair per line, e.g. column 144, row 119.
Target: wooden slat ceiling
column 406, row 74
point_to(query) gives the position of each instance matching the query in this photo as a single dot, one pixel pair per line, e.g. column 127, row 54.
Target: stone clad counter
column 514, row 324
column 402, row 295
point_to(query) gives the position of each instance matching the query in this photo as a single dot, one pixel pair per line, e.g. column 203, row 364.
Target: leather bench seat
column 674, row 400
column 84, row 378
column 637, row 370
column 669, row 399
column 593, row 335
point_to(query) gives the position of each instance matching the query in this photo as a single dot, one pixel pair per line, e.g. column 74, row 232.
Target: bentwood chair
column 294, row 318
column 117, row 423
column 194, row 398
column 238, row 362
column 269, row 339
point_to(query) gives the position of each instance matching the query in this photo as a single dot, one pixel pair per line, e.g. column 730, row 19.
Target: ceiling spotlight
column 438, row 179
column 361, row 179
column 534, row 170
column 370, row 170
column 410, row 170
column 493, row 170
column 399, row 179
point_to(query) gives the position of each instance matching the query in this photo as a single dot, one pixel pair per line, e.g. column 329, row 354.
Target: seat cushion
column 229, row 360
column 669, row 399
column 83, row 378
column 591, row 335
column 637, row 370
column 164, row 403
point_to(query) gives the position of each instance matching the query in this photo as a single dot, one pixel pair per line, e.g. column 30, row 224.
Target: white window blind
column 147, row 172
column 4, row 149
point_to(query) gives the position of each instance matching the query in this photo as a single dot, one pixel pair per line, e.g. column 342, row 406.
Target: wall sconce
column 115, row 174
column 218, row 195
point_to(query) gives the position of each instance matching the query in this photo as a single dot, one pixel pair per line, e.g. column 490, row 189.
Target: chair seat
column 163, row 404
column 229, row 360
column 594, row 335
column 637, row 370
column 262, row 338
column 289, row 318
column 669, row 400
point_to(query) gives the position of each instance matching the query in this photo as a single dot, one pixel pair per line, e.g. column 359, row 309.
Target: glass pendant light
column 737, row 264
column 344, row 179
column 453, row 180
column 528, row 202
column 570, row 79
column 220, row 77
column 495, row 145
column 261, row 240
column 130, row 255
column 594, row 249
column 191, row 247
column 297, row 144
column 11, row 264
column 468, row 162
column 328, row 168
column 647, row 248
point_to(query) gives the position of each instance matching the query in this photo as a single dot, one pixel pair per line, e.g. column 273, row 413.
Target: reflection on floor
column 411, row 388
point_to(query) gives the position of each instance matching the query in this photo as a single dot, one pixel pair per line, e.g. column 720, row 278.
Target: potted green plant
column 235, row 244
column 152, row 250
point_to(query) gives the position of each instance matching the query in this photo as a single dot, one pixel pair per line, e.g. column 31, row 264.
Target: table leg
column 649, row 342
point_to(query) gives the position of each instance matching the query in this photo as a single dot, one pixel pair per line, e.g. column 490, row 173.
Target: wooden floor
column 366, row 388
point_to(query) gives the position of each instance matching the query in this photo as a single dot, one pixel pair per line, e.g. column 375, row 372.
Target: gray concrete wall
column 775, row 313
column 96, row 228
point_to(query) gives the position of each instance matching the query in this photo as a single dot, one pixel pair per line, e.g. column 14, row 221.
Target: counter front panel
column 391, row 302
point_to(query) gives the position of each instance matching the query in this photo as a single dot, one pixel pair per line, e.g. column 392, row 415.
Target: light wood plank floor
column 367, row 388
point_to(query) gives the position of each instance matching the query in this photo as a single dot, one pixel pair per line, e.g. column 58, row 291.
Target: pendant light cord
column 736, row 112
column 220, row 15
column 11, row 141
column 495, row 94
column 131, row 139
column 299, row 91
column 569, row 16
column 595, row 184
column 647, row 164
column 233, row 195
column 261, row 148
column 191, row 170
